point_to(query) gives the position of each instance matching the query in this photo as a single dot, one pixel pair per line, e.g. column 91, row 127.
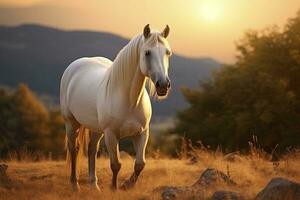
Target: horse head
column 154, row 59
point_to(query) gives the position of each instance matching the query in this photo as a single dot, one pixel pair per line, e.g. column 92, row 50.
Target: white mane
column 127, row 62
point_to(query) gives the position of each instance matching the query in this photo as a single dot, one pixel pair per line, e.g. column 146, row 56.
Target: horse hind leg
column 139, row 143
column 72, row 128
column 93, row 147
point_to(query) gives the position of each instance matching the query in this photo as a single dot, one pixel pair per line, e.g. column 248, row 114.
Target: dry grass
column 49, row 179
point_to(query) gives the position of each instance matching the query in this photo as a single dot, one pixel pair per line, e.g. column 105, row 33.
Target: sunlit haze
column 199, row 28
column 211, row 11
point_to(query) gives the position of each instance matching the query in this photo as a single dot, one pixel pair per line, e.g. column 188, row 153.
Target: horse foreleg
column 92, row 155
column 112, row 145
column 140, row 143
column 73, row 152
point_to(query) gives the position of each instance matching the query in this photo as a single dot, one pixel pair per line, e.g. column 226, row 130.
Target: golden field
column 49, row 179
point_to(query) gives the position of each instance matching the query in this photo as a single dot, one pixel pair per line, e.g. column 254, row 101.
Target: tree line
column 27, row 124
column 257, row 95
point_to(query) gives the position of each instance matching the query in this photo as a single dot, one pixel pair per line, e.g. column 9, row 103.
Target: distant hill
column 38, row 55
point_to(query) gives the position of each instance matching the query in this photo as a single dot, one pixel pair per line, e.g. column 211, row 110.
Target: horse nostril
column 157, row 84
column 169, row 84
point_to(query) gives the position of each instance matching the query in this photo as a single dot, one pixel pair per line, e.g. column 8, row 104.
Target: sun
column 210, row 10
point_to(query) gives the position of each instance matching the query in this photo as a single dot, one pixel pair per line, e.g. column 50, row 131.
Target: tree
column 56, row 138
column 32, row 118
column 8, row 122
column 26, row 122
column 258, row 95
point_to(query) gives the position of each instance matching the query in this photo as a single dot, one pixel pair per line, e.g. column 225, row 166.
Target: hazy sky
column 199, row 28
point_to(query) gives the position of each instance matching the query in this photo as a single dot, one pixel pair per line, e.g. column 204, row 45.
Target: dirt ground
column 50, row 180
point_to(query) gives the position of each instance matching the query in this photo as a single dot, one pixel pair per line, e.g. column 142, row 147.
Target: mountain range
column 37, row 55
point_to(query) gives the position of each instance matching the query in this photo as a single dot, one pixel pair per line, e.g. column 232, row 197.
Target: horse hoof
column 127, row 185
column 76, row 187
column 113, row 188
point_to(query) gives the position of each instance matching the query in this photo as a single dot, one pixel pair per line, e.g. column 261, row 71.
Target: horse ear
column 165, row 32
column 147, row 31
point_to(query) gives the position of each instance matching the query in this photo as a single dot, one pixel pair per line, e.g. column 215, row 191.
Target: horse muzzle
column 162, row 87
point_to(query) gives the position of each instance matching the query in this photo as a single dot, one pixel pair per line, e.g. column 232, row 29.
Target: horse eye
column 168, row 52
column 147, row 53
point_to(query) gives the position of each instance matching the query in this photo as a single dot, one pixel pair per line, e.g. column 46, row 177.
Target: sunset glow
column 199, row 28
column 210, row 10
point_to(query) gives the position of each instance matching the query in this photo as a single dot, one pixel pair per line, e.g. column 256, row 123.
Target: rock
column 280, row 189
column 213, row 177
column 233, row 157
column 3, row 168
column 171, row 193
column 4, row 179
column 226, row 195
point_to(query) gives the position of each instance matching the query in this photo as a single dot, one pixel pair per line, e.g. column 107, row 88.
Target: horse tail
column 81, row 147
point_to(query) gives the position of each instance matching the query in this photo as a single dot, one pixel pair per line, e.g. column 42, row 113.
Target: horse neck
column 126, row 74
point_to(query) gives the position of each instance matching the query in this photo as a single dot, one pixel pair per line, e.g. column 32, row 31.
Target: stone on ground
column 226, row 195
column 214, row 177
column 280, row 189
column 5, row 181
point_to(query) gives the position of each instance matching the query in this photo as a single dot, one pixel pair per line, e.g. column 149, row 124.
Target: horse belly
column 81, row 92
column 82, row 106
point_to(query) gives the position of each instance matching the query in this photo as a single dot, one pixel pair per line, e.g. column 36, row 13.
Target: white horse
column 110, row 98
